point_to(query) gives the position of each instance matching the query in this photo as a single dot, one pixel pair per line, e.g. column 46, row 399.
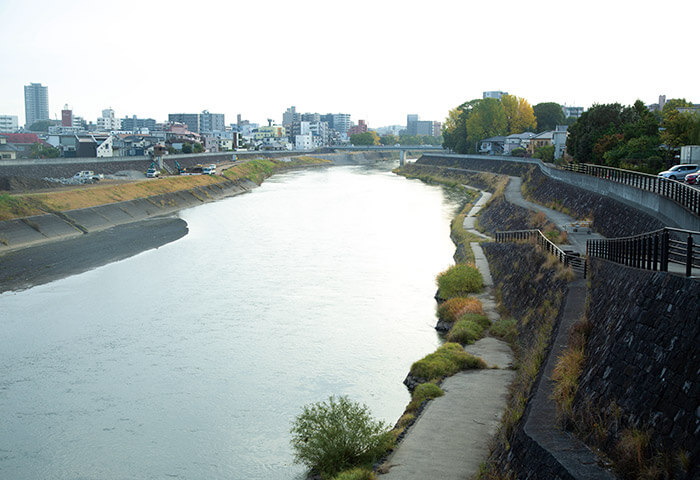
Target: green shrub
column 505, row 328
column 468, row 329
column 449, row 359
column 339, row 434
column 427, row 391
column 423, row 392
column 458, row 281
column 450, row 310
column 356, row 474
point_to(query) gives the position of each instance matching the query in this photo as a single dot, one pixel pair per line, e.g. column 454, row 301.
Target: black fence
column 651, row 251
column 676, row 190
column 569, row 259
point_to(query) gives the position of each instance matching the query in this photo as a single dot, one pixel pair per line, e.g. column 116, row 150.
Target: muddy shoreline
column 40, row 264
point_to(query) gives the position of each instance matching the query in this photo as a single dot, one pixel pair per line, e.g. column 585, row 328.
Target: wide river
column 191, row 361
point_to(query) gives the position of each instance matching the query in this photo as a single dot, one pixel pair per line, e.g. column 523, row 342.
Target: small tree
column 338, row 434
column 198, row 148
column 187, row 147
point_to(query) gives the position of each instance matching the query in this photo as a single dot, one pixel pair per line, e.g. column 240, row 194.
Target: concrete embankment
column 40, row 229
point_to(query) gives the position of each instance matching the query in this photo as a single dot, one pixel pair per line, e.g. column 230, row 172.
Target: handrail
column 540, row 239
column 684, row 195
column 651, row 250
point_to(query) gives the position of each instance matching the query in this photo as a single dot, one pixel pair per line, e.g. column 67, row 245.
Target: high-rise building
column 211, row 122
column 189, row 119
column 36, row 103
column 361, row 127
column 134, row 124
column 342, row 122
column 8, row 123
column 290, row 116
column 310, row 117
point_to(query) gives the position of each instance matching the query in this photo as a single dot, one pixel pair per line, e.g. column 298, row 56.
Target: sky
column 378, row 60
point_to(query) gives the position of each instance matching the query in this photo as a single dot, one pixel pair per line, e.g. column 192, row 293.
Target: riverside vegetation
column 23, row 205
column 468, row 324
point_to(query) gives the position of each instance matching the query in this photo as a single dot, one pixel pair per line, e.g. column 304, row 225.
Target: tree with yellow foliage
column 519, row 114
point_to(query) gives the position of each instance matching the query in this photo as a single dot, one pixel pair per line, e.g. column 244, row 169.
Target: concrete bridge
column 400, row 148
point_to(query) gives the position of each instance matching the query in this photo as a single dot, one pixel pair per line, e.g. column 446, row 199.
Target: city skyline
column 154, row 59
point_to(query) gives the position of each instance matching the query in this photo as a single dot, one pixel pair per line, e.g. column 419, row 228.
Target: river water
column 190, row 361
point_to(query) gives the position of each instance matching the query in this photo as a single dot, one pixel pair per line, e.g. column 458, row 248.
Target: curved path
column 450, row 439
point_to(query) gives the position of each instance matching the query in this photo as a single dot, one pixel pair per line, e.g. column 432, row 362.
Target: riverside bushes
column 453, row 308
column 449, row 359
column 336, row 435
column 468, row 329
column 458, row 281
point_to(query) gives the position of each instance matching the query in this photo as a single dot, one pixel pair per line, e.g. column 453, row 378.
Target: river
column 191, row 360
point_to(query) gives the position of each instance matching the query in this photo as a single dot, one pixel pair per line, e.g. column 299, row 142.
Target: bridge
column 396, row 148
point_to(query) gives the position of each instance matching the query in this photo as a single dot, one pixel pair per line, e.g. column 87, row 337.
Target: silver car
column 678, row 172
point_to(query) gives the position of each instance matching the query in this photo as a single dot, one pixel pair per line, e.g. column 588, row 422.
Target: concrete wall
column 671, row 213
column 20, row 233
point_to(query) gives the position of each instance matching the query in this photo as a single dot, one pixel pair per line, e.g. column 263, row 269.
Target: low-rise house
column 106, row 148
column 7, row 150
column 541, row 140
column 22, row 143
column 492, row 145
column 516, row 140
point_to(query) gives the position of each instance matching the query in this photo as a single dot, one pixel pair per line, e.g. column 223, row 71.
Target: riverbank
column 42, row 264
column 59, row 242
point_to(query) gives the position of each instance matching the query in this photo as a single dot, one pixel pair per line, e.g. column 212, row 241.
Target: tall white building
column 8, row 123
column 342, row 123
column 108, row 122
column 36, row 103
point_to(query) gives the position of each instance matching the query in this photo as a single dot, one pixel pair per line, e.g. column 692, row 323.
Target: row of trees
column 633, row 137
column 478, row 119
column 611, row 134
column 371, row 138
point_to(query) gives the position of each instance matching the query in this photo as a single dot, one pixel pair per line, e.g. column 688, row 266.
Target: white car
column 678, row 172
column 152, row 173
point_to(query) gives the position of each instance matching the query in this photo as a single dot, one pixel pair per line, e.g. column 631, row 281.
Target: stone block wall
column 642, row 355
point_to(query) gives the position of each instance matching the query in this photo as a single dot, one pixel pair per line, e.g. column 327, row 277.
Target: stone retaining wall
column 663, row 209
column 610, row 217
column 642, row 356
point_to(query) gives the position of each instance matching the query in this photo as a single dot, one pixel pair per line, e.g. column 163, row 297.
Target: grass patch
column 450, row 310
column 423, row 392
column 16, row 206
column 468, row 329
column 505, row 328
column 568, row 370
column 359, row 473
column 449, row 359
column 259, row 169
column 458, row 281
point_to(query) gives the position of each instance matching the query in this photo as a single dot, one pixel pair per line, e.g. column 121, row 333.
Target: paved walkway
column 577, row 236
column 451, row 437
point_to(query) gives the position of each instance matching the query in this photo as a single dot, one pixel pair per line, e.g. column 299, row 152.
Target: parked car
column 209, row 170
column 152, row 173
column 87, row 176
column 678, row 172
column 693, row 178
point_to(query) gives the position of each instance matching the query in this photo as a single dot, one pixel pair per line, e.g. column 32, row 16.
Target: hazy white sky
column 375, row 59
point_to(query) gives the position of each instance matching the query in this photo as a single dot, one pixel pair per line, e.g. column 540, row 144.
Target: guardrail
column 679, row 192
column 569, row 259
column 651, row 251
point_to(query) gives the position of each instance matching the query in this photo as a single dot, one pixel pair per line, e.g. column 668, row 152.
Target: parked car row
column 686, row 171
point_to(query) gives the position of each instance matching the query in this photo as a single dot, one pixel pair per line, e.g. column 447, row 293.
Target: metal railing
column 569, row 259
column 675, row 190
column 651, row 251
